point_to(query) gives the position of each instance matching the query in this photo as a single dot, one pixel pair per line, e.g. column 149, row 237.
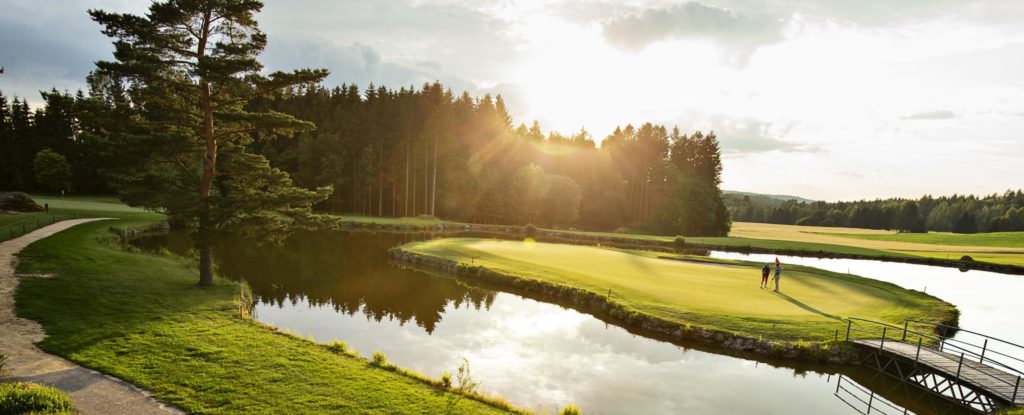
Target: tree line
column 410, row 152
column 426, row 151
column 956, row 213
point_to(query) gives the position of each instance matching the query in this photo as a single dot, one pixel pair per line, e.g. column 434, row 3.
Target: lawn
column 714, row 294
column 880, row 240
column 13, row 225
column 989, row 240
column 141, row 318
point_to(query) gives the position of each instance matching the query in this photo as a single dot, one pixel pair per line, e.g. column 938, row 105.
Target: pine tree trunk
column 204, row 240
column 406, row 179
column 380, row 176
column 433, row 191
column 426, row 177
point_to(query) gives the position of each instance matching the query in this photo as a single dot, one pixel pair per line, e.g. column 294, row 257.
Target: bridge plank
column 990, row 379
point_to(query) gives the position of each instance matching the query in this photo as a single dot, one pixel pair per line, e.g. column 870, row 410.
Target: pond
column 989, row 302
column 540, row 356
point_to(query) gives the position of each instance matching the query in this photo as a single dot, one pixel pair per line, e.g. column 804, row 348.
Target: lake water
column 541, row 356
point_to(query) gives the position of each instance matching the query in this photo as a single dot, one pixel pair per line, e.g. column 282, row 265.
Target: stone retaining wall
column 836, row 352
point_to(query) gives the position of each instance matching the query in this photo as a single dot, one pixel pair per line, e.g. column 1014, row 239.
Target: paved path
column 92, row 392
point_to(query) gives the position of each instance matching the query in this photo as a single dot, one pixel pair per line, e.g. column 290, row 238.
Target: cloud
column 692, row 20
column 743, row 136
column 931, row 115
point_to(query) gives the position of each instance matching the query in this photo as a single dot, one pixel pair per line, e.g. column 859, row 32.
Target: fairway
column 989, row 240
column 879, row 240
column 715, row 294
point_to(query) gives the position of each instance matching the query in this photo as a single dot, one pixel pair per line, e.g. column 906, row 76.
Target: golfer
column 778, row 275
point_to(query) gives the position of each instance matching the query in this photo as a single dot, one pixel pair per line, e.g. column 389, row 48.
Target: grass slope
column 13, row 225
column 990, row 240
column 141, row 318
column 716, row 294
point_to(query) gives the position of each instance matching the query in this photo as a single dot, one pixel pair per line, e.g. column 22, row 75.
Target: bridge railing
column 992, row 351
column 869, row 329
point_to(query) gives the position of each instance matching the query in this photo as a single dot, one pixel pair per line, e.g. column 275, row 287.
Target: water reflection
column 989, row 302
column 541, row 356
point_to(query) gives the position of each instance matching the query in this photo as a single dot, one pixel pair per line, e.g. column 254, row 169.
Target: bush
column 3, row 364
column 966, row 258
column 380, row 360
column 530, row 231
column 679, row 242
column 571, row 410
column 446, row 380
column 22, row 398
column 19, row 202
column 338, row 347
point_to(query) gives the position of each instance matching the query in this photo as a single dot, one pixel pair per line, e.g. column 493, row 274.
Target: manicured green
column 30, row 398
column 13, row 225
column 741, row 242
column 991, row 240
column 419, row 221
column 714, row 294
column 992, row 258
column 143, row 319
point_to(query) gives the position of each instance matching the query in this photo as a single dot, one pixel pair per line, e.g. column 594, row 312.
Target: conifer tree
column 191, row 67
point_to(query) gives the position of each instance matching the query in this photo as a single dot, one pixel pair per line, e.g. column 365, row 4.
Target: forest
column 406, row 152
column 956, row 213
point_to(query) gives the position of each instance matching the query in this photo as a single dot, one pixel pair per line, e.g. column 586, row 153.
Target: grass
column 30, row 398
column 714, row 294
column 881, row 240
column 993, row 258
column 989, row 240
column 13, row 225
column 141, row 318
column 404, row 221
column 745, row 242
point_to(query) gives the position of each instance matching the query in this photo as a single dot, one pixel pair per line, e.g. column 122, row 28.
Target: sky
column 829, row 99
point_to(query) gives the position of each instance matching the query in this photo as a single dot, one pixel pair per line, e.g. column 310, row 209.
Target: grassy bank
column 13, row 225
column 714, row 294
column 988, row 240
column 141, row 318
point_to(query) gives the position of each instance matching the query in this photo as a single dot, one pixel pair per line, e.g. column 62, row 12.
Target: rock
column 19, row 202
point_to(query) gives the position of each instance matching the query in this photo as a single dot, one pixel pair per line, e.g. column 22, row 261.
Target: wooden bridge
column 984, row 377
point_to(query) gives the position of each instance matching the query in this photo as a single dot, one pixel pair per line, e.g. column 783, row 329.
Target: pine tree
column 192, row 66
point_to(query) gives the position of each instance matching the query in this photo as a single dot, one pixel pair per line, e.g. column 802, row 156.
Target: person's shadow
column 806, row 307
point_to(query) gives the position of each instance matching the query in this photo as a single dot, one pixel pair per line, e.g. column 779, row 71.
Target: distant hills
column 782, row 198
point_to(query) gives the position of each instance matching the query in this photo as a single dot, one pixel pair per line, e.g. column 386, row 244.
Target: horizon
column 821, row 101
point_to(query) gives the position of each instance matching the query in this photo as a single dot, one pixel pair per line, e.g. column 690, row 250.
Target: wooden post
column 918, row 356
column 849, row 323
column 983, row 349
column 1013, row 401
column 959, row 366
column 837, row 334
column 881, row 345
column 905, row 324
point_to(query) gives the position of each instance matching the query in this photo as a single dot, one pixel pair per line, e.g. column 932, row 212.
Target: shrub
column 571, row 410
column 966, row 258
column 338, row 347
column 679, row 242
column 18, row 202
column 3, row 364
column 379, row 359
column 21, row 398
column 530, row 231
column 446, row 380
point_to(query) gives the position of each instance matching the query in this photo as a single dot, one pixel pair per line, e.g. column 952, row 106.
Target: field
column 141, row 318
column 997, row 248
column 723, row 295
column 13, row 225
column 989, row 240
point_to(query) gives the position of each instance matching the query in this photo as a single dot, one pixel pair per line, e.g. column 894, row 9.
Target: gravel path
column 92, row 392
